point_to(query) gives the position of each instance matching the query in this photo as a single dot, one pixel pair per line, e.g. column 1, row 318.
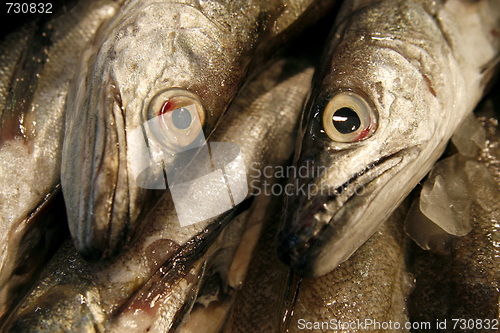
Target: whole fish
column 37, row 64
column 262, row 122
column 168, row 68
column 397, row 79
column 458, row 281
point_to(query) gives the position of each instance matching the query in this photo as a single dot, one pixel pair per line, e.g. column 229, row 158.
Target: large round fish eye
column 177, row 116
column 348, row 118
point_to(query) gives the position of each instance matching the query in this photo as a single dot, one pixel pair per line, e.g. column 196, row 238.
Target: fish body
column 163, row 304
column 10, row 52
column 260, row 299
column 37, row 64
column 153, row 59
column 372, row 286
column 262, row 122
column 397, row 79
column 458, row 279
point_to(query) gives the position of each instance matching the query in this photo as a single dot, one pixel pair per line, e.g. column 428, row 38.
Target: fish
column 154, row 59
column 10, row 51
column 164, row 303
column 457, row 283
column 367, row 291
column 37, row 63
column 373, row 284
column 395, row 81
column 82, row 295
column 260, row 299
column 442, row 211
column 222, row 285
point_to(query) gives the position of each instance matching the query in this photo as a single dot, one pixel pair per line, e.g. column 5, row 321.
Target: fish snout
column 298, row 230
column 292, row 251
column 94, row 174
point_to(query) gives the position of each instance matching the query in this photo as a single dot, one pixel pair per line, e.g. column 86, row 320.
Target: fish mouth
column 326, row 221
column 99, row 199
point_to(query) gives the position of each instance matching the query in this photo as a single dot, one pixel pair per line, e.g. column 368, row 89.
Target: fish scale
column 459, row 279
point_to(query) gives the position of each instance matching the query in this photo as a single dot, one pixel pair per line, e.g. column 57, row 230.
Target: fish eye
column 176, row 117
column 348, row 117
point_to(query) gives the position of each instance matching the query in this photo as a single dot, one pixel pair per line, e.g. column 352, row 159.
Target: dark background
column 12, row 21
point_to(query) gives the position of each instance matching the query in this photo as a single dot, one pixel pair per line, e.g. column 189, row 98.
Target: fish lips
column 328, row 228
column 103, row 206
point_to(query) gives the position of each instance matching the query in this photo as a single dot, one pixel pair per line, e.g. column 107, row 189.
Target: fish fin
column 289, row 298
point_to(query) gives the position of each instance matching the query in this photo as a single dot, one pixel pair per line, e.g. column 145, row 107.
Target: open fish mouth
column 331, row 217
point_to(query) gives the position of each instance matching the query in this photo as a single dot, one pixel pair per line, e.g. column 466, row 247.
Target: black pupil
column 181, row 118
column 346, row 120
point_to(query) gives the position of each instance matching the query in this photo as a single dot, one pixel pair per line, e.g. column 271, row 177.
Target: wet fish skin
column 225, row 276
column 259, row 302
column 413, row 67
column 10, row 52
column 33, row 94
column 106, row 286
column 203, row 48
column 163, row 303
column 459, row 280
column 373, row 284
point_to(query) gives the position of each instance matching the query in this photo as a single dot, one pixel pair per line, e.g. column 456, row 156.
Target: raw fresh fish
column 167, row 70
column 457, row 280
column 80, row 295
column 36, row 67
column 396, row 80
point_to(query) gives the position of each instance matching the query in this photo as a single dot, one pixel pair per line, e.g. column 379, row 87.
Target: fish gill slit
column 425, row 75
column 125, row 143
column 115, row 185
column 429, row 84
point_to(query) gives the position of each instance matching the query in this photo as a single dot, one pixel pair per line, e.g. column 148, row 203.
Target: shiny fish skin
column 373, row 284
column 205, row 48
column 460, row 281
column 32, row 124
column 222, row 288
column 164, row 302
column 267, row 108
column 420, row 67
column 10, row 51
column 259, row 303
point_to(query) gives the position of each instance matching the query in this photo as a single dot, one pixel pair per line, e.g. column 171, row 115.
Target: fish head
column 145, row 98
column 370, row 131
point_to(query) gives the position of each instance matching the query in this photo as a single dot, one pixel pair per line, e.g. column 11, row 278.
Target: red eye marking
column 365, row 132
column 167, row 106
